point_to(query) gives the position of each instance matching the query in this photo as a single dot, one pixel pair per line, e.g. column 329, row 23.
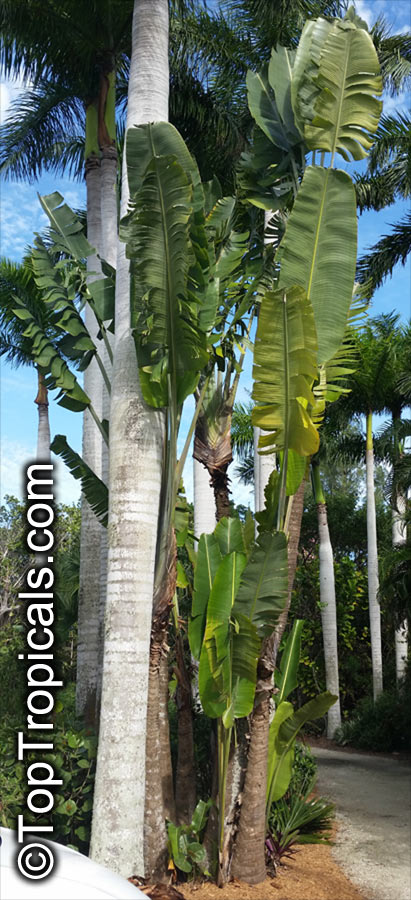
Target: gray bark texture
column 136, row 445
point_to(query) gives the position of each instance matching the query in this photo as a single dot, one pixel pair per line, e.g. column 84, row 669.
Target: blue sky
column 21, row 215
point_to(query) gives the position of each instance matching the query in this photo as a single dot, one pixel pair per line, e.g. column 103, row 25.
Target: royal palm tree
column 136, row 433
column 391, row 446
column 368, row 396
column 72, row 53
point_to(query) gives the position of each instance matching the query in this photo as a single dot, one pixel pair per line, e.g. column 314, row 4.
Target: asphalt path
column 373, row 804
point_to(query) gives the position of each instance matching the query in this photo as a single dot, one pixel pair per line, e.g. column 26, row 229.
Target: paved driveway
column 373, row 800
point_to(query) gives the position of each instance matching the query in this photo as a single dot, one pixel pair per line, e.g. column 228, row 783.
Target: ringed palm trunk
column 43, row 433
column 374, row 606
column 249, row 852
column 136, row 451
column 109, row 215
column 91, row 530
column 399, row 538
column 328, row 605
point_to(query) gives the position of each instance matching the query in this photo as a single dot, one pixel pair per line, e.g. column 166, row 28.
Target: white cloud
column 15, row 457
column 9, row 91
column 21, row 216
column 394, row 105
column 364, row 11
column 396, row 13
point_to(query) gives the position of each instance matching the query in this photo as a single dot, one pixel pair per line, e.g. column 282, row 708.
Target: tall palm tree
column 72, row 52
column 391, row 447
column 136, row 434
column 368, row 396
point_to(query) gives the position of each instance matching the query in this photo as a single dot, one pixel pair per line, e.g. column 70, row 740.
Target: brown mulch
column 312, row 874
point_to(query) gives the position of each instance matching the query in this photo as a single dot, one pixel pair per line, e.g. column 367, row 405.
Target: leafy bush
column 184, row 842
column 73, row 760
column 304, row 768
column 384, row 725
column 12, row 674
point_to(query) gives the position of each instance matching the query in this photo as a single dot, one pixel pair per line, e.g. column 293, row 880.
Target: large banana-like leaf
column 67, row 232
column 283, row 711
column 215, row 672
column 286, row 678
column 229, row 534
column 245, row 649
column 93, row 488
column 171, row 348
column 60, row 284
column 319, row 251
column 341, row 84
column 220, row 216
column 208, row 560
column 332, row 375
column 285, row 366
column 281, row 760
column 280, row 76
column 262, row 102
column 263, row 589
column 305, row 68
column 159, row 139
column 296, row 469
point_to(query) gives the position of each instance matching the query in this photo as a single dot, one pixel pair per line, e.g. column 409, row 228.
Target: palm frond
column 245, row 470
column 242, row 432
column 95, row 491
column 40, row 121
column 375, row 191
column 394, row 53
column 375, row 266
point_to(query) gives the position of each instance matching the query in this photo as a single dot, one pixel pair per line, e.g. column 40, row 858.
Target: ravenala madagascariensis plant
column 330, row 99
column 241, row 586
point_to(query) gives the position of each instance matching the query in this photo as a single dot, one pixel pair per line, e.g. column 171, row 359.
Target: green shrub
column 185, row 849
column 12, row 674
column 304, row 768
column 384, row 725
column 73, row 760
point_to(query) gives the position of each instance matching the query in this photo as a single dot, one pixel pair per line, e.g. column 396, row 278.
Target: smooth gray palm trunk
column 373, row 581
column 328, row 617
column 399, row 537
column 109, row 231
column 91, row 530
column 204, row 501
column 263, row 466
column 136, row 441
